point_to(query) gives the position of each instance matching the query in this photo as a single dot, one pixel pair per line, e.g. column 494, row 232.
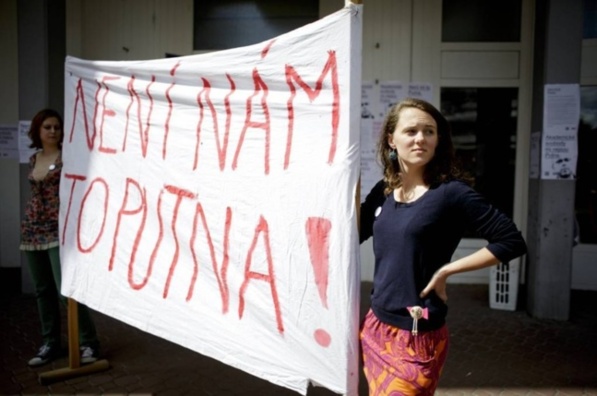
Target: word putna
column 190, row 233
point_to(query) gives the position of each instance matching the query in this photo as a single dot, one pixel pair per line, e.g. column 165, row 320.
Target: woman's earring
column 393, row 155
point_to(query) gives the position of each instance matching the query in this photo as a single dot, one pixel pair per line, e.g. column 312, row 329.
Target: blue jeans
column 44, row 266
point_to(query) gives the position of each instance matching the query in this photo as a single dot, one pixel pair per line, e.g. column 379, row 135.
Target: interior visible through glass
column 222, row 24
column 483, row 122
column 481, row 21
column 589, row 19
column 586, row 177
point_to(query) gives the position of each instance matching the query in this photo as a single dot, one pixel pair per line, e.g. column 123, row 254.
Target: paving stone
column 492, row 352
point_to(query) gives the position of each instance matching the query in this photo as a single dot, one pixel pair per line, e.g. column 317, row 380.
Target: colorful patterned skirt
column 398, row 363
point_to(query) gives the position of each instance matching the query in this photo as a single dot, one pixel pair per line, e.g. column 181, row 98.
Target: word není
column 256, row 112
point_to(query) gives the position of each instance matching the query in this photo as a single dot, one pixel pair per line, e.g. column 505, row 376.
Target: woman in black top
column 417, row 215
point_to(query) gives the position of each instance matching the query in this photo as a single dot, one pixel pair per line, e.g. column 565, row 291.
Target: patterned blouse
column 39, row 228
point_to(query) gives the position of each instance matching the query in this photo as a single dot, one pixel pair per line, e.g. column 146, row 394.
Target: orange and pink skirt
column 396, row 362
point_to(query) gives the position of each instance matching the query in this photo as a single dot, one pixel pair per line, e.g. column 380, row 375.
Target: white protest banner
column 210, row 200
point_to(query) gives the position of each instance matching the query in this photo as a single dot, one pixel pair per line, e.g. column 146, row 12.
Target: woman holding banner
column 417, row 215
column 39, row 240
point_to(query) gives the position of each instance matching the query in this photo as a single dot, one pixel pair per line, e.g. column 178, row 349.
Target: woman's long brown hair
column 442, row 167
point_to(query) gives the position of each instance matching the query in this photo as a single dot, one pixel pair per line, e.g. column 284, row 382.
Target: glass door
column 483, row 122
column 478, row 57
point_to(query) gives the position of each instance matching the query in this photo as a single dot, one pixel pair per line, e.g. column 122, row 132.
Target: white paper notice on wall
column 421, row 90
column 559, row 143
column 9, row 143
column 25, row 152
column 371, row 120
column 210, row 200
column 390, row 93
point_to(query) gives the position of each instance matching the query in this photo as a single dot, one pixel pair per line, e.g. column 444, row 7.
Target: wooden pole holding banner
column 358, row 192
column 357, row 198
column 74, row 369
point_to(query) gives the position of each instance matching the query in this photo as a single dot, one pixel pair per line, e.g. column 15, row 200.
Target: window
column 481, row 21
column 223, row 24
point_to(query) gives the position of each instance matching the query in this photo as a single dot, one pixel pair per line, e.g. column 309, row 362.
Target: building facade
column 487, row 65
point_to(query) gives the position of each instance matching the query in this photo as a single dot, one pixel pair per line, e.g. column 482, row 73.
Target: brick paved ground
column 493, row 352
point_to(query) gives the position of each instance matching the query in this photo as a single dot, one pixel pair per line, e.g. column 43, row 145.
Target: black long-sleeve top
column 413, row 240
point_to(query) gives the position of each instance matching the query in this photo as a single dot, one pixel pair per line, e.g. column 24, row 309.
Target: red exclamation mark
column 318, row 232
